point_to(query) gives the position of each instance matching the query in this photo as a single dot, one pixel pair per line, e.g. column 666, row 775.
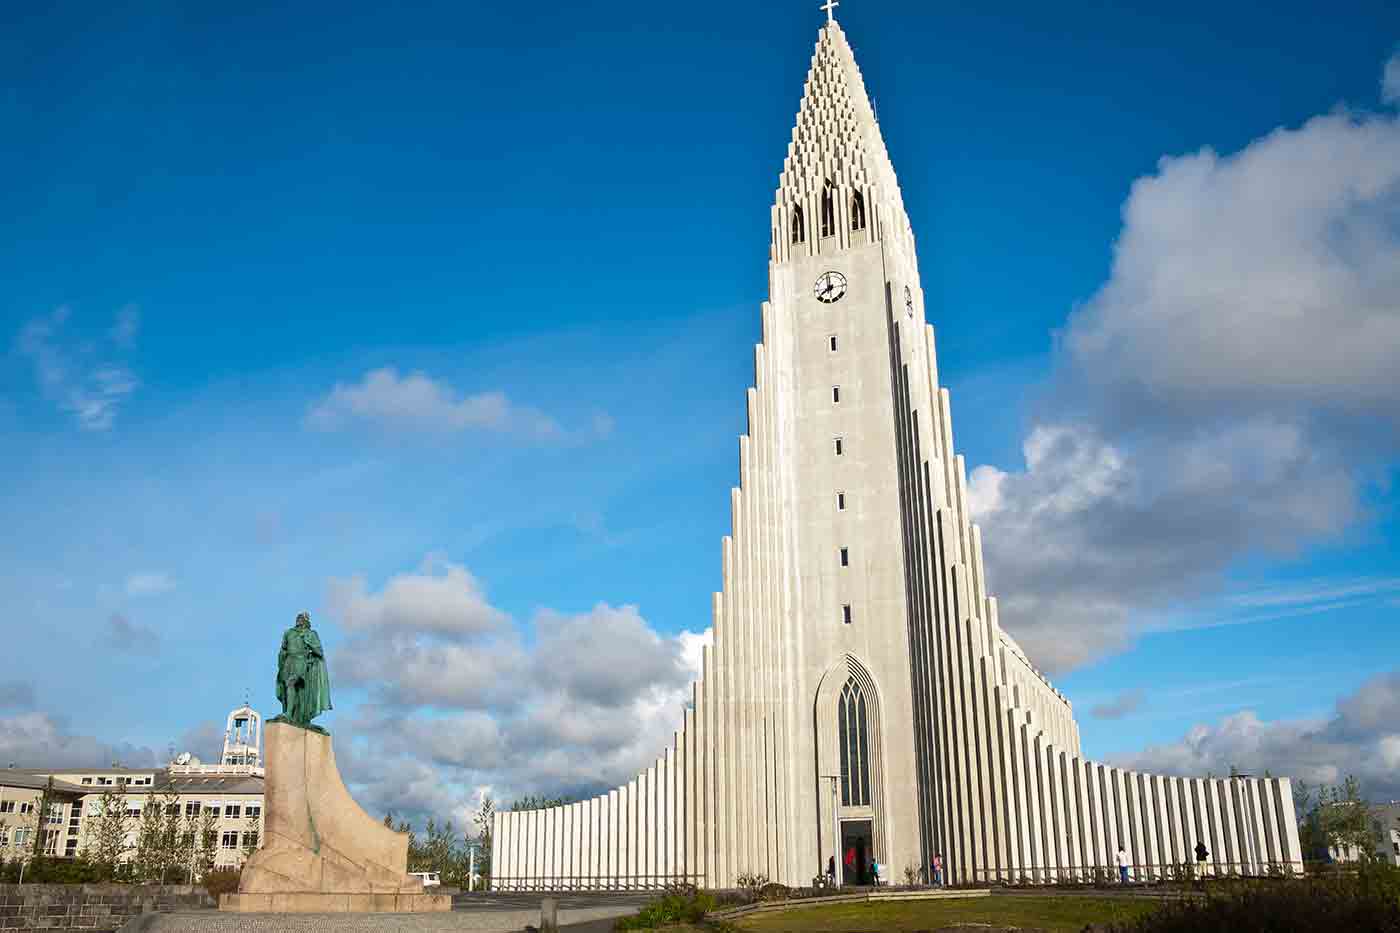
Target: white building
column 1385, row 830
column 1385, row 821
column 231, row 789
column 860, row 698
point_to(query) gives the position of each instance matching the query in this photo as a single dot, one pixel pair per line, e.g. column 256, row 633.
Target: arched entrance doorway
column 850, row 772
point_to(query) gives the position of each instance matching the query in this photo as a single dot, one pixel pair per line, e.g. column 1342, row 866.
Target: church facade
column 860, row 701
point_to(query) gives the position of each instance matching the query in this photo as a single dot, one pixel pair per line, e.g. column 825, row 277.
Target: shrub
column 1368, row 900
column 222, row 881
column 673, row 908
column 751, row 884
column 772, row 891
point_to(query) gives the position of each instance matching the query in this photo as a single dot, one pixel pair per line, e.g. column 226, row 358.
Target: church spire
column 837, row 187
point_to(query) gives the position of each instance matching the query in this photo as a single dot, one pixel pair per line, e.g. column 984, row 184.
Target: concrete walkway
column 479, row 913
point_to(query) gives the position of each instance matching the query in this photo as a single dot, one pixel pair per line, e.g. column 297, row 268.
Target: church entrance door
column 855, row 850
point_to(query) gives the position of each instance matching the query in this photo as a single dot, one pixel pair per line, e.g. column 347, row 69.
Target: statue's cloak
column 302, row 658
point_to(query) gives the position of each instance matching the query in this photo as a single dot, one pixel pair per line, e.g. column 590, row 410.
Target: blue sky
column 558, row 215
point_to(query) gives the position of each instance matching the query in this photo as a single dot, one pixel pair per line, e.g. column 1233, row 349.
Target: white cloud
column 16, row 694
column 419, row 403
column 123, row 332
column 149, row 584
column 74, row 375
column 1226, row 393
column 441, row 598
column 1390, row 81
column 1361, row 737
column 1125, row 704
column 37, row 740
column 461, row 699
column 127, row 636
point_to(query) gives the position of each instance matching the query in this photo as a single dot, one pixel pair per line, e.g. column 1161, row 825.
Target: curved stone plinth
column 316, row 839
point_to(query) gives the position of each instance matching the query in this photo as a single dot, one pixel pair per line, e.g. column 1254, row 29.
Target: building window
column 7, row 806
column 832, row 341
column 250, row 840
column 828, row 211
column 253, row 813
column 4, row 838
column 55, row 813
column 799, row 226
column 845, row 557
column 228, row 841
column 87, row 780
column 855, row 746
column 192, row 808
column 857, row 211
column 214, row 809
column 840, row 502
column 233, row 811
column 133, row 811
column 836, row 395
column 22, row 838
column 840, row 447
column 26, row 807
column 50, row 842
column 846, row 614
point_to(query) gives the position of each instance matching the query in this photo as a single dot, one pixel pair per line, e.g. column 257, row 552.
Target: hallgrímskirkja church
column 861, row 701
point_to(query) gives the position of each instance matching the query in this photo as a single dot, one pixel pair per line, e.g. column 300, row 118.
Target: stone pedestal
column 321, row 853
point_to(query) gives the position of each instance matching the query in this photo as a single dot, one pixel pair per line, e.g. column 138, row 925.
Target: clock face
column 909, row 301
column 830, row 287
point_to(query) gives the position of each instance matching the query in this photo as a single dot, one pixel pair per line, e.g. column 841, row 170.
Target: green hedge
column 673, row 908
column 1366, row 901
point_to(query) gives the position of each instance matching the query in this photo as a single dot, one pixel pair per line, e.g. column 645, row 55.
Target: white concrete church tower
column 860, row 701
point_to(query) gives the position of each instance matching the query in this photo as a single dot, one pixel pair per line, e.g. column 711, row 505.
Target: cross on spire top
column 830, row 8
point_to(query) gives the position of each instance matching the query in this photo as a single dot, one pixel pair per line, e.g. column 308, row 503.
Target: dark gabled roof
column 14, row 777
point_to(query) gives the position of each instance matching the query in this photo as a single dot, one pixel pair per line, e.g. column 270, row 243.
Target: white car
column 430, row 878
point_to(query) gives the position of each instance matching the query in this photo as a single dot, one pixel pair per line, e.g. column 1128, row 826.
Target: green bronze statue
column 303, row 687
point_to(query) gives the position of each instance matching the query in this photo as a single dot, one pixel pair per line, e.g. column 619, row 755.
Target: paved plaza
column 478, row 913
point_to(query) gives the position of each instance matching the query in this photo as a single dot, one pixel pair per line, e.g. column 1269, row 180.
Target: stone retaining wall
column 104, row 907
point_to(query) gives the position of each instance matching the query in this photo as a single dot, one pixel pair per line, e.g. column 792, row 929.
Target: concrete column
column 1293, row 849
column 1151, row 822
column 617, row 846
column 1098, row 813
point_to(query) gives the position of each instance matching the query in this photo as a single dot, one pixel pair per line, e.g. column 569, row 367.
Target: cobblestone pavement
column 482, row 913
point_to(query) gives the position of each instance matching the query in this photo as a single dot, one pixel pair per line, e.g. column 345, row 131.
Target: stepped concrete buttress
column 321, row 853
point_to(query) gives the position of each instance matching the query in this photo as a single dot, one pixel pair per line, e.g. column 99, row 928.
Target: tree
column 485, row 815
column 205, row 828
column 108, row 825
column 532, row 802
column 158, row 836
column 1335, row 819
column 27, row 827
column 41, row 811
column 250, row 837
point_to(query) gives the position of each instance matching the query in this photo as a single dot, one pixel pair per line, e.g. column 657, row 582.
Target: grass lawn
column 1053, row 914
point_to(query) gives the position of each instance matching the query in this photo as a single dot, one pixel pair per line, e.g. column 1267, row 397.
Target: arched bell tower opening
column 850, row 773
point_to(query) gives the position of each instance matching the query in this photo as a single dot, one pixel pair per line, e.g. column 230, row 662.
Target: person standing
column 1122, row 859
column 831, row 871
column 938, row 870
column 1201, row 855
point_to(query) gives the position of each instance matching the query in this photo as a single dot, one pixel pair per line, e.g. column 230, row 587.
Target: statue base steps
column 321, row 853
column 311, row 902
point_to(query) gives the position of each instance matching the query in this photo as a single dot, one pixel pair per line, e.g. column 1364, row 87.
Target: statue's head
column 304, row 620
